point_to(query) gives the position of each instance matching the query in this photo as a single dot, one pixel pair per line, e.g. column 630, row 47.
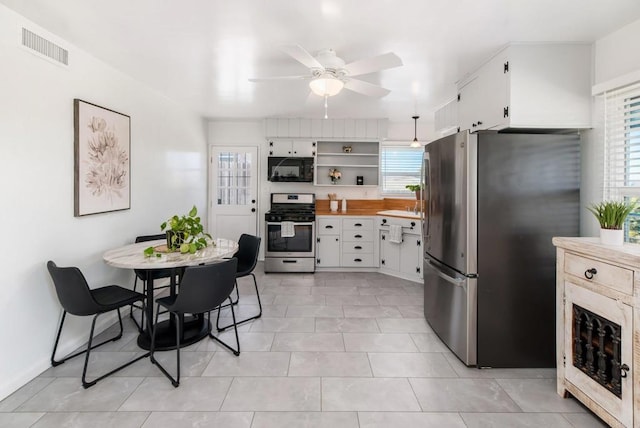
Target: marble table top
column 132, row 256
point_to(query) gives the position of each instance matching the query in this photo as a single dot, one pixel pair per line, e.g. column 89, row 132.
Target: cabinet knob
column 479, row 123
column 589, row 273
column 473, row 125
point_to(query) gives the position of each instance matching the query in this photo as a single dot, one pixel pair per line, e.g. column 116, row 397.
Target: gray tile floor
column 338, row 350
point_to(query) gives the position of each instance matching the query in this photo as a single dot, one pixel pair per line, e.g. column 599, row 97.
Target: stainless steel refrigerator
column 493, row 203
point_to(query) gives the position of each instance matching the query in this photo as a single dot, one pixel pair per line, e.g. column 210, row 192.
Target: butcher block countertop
column 371, row 207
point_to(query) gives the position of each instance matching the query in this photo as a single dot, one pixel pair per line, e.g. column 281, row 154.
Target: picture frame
column 102, row 159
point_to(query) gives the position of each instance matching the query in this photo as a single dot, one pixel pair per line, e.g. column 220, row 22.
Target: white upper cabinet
column 543, row 86
column 292, row 148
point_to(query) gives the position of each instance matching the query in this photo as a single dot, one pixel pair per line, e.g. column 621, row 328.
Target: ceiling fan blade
column 298, row 53
column 366, row 88
column 376, row 63
column 268, row 78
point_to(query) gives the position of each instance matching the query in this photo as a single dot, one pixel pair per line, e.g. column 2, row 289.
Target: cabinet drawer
column 614, row 277
column 357, row 224
column 357, row 247
column 328, row 226
column 357, row 236
column 355, row 260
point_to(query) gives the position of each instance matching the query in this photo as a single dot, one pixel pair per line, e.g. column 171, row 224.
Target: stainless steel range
column 291, row 233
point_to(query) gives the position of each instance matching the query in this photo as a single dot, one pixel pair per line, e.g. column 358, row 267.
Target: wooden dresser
column 598, row 327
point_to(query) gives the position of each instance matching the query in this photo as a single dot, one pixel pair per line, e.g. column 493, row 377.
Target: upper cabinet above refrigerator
column 529, row 86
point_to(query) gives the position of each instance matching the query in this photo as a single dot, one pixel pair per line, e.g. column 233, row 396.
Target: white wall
column 168, row 175
column 615, row 55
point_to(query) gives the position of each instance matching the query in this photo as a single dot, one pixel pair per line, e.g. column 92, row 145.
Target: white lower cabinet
column 345, row 241
column 401, row 259
column 328, row 241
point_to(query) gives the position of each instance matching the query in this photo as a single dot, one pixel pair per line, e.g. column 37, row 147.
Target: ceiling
column 201, row 52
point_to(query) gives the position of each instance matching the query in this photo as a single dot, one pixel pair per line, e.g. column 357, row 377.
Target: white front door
column 233, row 184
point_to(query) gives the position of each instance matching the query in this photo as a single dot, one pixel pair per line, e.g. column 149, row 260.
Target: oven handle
column 269, row 223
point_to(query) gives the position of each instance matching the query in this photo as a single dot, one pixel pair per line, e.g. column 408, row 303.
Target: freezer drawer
column 450, row 308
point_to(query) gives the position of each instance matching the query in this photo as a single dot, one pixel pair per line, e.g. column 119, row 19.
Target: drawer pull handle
column 359, row 260
column 328, row 227
column 623, row 370
column 357, row 247
column 358, row 225
column 357, row 236
column 590, row 272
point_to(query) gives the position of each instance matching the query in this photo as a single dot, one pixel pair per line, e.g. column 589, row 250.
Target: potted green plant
column 184, row 233
column 611, row 216
column 418, row 188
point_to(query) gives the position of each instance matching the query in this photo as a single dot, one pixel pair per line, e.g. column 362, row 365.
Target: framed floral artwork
column 102, row 165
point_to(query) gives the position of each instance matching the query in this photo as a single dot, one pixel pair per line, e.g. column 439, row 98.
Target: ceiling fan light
column 326, row 86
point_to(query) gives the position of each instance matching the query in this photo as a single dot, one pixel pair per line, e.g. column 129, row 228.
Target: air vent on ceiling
column 45, row 47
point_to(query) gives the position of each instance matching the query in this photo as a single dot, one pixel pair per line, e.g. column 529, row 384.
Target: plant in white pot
column 611, row 216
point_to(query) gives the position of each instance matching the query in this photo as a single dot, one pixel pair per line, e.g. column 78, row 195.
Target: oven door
column 299, row 245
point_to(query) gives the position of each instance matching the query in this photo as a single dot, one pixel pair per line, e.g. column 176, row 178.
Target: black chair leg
column 232, row 302
column 68, row 357
column 141, row 307
column 174, row 382
column 236, row 351
column 255, row 284
column 86, row 384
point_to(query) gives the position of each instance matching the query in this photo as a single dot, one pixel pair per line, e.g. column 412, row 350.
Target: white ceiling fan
column 328, row 73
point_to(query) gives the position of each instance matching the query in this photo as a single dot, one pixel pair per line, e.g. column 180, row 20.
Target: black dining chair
column 202, row 289
column 77, row 298
column 247, row 255
column 144, row 275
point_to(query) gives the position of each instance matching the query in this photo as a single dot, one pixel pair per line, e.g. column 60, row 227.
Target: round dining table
column 132, row 257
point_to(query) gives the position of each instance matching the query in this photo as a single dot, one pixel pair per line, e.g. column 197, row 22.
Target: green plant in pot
column 417, row 188
column 611, row 215
column 184, row 233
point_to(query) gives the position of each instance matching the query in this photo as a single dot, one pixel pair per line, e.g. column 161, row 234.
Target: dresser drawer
column 357, row 260
column 328, row 226
column 357, row 235
column 614, row 277
column 357, row 224
column 357, row 247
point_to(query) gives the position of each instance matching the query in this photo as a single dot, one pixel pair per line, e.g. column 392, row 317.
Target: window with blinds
column 622, row 152
column 399, row 166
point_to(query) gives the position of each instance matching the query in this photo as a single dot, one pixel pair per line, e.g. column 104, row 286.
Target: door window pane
column 234, row 178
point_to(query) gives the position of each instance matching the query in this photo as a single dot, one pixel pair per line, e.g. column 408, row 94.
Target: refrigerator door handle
column 424, row 178
column 458, row 282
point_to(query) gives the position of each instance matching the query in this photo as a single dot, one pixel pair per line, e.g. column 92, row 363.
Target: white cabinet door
column 389, row 253
column 280, row 148
column 482, row 100
column 305, row 149
column 328, row 251
column 411, row 256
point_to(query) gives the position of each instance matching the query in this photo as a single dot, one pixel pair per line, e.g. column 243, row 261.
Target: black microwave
column 288, row 169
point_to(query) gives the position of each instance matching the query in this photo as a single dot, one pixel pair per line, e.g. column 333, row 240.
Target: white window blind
column 622, row 143
column 399, row 166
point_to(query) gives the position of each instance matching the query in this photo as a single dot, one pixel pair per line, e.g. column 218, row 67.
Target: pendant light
column 415, row 143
